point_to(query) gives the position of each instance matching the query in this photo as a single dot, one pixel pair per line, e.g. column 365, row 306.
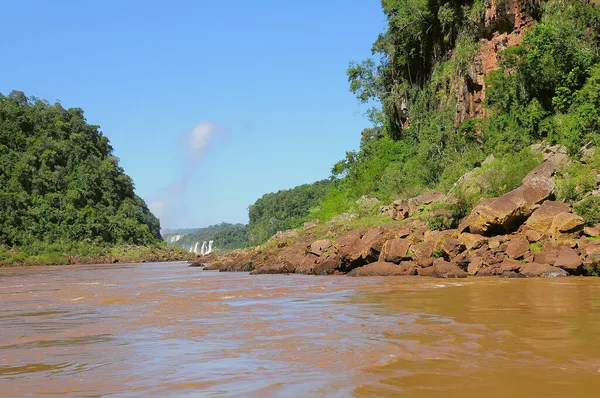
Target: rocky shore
column 523, row 233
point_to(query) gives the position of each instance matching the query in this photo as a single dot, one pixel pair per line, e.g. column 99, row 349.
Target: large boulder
column 542, row 218
column 533, row 270
column 327, row 267
column 382, row 268
column 359, row 247
column 319, row 247
column 506, row 213
column 472, row 241
column 569, row 260
column 566, row 225
column 444, row 269
column 395, row 250
column 517, row 248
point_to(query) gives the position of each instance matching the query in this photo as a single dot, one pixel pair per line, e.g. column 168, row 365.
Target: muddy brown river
column 169, row 330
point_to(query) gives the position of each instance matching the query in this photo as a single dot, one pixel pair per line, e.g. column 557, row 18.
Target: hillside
column 482, row 155
column 62, row 190
column 448, row 85
column 225, row 236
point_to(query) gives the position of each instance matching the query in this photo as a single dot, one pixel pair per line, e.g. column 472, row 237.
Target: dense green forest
column 284, row 210
column 60, row 184
column 545, row 88
column 225, row 236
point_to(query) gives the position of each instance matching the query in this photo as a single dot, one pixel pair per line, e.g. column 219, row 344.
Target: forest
column 61, row 187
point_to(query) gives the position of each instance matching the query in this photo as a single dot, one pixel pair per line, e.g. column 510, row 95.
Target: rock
column 592, row 232
column 506, row 213
column 452, row 248
column 511, row 274
column 444, row 269
column 310, row 225
column 429, row 271
column 395, row 250
column 533, row 235
column 472, row 241
column 320, row 247
column 401, row 209
column 359, row 247
column 566, row 225
column 542, row 218
column 402, row 233
column 382, row 268
column 425, row 262
column 423, row 250
column 495, row 242
column 462, row 260
column 327, row 267
column 474, row 265
column 533, row 270
column 510, row 265
column 569, row 260
column 517, row 248
column 546, row 257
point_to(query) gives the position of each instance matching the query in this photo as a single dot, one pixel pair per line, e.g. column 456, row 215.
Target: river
column 169, row 330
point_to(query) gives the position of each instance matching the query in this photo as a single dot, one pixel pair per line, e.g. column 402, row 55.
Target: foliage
column 589, row 209
column 60, row 253
column 546, row 89
column 59, row 181
column 284, row 210
column 224, row 236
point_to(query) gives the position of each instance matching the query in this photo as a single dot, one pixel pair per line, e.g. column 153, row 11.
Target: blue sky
column 262, row 82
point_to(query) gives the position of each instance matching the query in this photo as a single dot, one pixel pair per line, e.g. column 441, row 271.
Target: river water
column 170, row 330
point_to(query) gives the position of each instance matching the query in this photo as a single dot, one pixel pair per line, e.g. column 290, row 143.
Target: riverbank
column 523, row 233
column 93, row 255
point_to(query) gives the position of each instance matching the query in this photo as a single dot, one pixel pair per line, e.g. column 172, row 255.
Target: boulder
column 444, row 269
column 451, row 248
column 546, row 257
column 510, row 266
column 569, row 260
column 472, row 241
column 401, row 209
column 395, row 250
column 320, row 247
column 474, row 265
column 533, row 235
column 542, row 218
column 327, row 267
column 429, row 271
column 506, row 213
column 533, row 270
column 566, row 225
column 382, row 268
column 517, row 248
column 592, row 232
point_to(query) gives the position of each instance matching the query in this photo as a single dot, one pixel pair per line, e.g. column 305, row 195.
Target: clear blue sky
column 268, row 77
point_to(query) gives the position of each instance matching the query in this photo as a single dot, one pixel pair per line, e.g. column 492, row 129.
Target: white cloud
column 200, row 135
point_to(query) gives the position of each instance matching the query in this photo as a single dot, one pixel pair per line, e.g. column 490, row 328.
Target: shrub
column 589, row 209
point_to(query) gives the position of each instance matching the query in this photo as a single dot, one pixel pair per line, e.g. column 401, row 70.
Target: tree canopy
column 60, row 182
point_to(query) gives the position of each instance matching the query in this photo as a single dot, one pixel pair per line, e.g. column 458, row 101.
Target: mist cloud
column 199, row 139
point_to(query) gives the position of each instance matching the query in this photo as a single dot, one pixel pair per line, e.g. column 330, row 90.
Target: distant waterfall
column 206, row 248
column 174, row 238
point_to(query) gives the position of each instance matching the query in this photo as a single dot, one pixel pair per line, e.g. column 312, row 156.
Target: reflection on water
column 169, row 330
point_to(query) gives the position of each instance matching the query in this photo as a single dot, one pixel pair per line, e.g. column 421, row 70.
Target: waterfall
column 210, row 243
column 203, row 249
